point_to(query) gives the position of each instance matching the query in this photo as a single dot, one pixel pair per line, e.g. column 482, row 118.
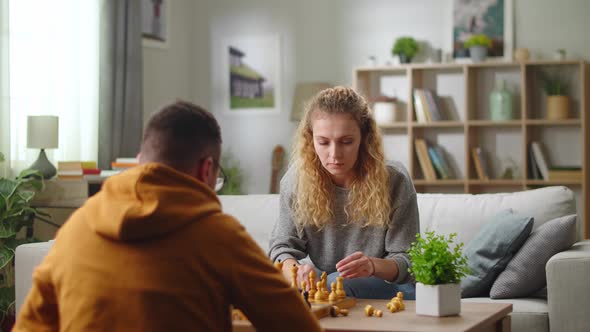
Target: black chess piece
column 306, row 297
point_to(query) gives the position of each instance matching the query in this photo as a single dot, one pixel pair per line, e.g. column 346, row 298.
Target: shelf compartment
column 553, row 182
column 496, row 182
column 545, row 122
column 439, row 124
column 490, row 123
column 393, row 125
column 442, row 183
column 568, row 72
column 482, row 81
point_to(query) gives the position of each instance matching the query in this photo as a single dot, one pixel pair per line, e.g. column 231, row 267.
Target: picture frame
column 154, row 23
column 469, row 17
column 250, row 68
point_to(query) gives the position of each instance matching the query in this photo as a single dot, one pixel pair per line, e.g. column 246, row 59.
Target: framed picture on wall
column 493, row 18
column 154, row 22
column 250, row 68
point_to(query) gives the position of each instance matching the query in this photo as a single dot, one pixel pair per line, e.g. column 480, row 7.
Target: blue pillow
column 491, row 249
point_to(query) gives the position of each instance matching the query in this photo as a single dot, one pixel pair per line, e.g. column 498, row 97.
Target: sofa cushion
column 439, row 212
column 491, row 250
column 527, row 314
column 525, row 273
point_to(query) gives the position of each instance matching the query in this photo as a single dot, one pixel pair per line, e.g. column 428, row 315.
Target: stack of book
column 426, row 106
column 121, row 164
column 432, row 161
column 76, row 169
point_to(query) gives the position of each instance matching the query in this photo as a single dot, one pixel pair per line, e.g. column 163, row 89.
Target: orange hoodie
column 152, row 251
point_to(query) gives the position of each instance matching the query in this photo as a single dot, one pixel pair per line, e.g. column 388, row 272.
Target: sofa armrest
column 568, row 289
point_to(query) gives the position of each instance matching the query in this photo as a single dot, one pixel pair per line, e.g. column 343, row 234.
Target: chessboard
column 320, row 310
column 321, row 302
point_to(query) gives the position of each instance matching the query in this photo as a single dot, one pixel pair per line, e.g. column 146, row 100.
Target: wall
column 321, row 40
column 168, row 70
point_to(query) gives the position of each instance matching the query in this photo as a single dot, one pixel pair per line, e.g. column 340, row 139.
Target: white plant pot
column 438, row 300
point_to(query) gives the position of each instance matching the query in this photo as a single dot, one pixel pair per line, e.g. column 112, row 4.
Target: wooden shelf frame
column 528, row 121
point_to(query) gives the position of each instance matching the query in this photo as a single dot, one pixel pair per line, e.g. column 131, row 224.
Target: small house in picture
column 244, row 81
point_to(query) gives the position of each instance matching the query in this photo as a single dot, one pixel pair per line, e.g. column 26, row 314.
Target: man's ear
column 204, row 169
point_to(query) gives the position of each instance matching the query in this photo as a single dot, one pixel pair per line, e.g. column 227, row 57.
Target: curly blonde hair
column 369, row 197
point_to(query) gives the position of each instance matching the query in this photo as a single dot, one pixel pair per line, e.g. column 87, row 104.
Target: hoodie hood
column 148, row 201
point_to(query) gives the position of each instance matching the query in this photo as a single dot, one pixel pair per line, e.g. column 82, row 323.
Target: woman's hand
column 302, row 271
column 356, row 265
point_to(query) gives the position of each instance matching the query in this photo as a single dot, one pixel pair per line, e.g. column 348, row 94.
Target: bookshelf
column 463, row 92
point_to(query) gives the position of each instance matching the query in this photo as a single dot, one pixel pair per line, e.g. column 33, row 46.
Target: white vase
column 438, row 300
column 385, row 112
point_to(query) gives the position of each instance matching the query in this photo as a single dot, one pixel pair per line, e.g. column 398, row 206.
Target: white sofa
column 568, row 307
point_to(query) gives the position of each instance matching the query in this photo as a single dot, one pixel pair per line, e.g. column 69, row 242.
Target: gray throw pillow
column 525, row 273
column 491, row 249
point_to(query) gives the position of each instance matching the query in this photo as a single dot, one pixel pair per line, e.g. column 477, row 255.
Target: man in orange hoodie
column 152, row 251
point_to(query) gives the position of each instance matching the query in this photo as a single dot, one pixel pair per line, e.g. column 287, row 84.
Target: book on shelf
column 121, row 164
column 540, row 160
column 69, row 170
column 438, row 163
column 533, row 167
column 480, row 163
column 424, row 159
column 419, row 108
column 570, row 173
column 433, row 105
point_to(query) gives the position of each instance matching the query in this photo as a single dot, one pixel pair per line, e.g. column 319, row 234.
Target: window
column 54, row 70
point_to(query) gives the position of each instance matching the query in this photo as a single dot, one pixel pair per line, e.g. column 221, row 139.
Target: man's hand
column 356, row 265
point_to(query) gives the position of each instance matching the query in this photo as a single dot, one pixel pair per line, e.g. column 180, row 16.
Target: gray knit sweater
column 341, row 238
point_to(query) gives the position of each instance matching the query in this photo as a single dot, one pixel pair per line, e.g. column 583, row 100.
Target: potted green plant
column 16, row 213
column 438, row 270
column 405, row 48
column 478, row 47
column 233, row 172
column 557, row 102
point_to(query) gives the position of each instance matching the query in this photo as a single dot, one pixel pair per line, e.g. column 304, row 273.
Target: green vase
column 501, row 103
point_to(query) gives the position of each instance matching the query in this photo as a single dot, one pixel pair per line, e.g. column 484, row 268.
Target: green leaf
column 7, row 297
column 6, row 256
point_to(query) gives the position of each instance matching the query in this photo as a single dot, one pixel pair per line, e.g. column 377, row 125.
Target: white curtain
column 54, row 70
column 4, row 102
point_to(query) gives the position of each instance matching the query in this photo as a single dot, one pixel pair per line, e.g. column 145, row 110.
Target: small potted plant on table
column 405, row 48
column 438, row 270
column 478, row 47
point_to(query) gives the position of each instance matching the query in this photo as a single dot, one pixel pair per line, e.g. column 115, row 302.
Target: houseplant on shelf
column 438, row 270
column 478, row 47
column 16, row 213
column 557, row 102
column 405, row 48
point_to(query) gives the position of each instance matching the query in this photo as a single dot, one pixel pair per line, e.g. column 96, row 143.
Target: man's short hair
column 180, row 134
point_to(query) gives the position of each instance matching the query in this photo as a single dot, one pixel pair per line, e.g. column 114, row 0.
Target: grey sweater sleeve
column 286, row 240
column 404, row 223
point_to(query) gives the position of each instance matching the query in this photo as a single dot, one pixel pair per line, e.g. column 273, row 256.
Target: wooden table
column 478, row 317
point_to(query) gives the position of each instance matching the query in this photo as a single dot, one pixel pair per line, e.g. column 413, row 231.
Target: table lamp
column 42, row 133
column 303, row 93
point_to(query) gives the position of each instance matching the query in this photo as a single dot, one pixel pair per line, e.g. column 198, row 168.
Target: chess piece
column 294, row 276
column 378, row 313
column 369, row 310
column 335, row 311
column 306, row 298
column 303, row 285
column 312, row 285
column 279, row 265
column 319, row 294
column 340, row 288
column 333, row 297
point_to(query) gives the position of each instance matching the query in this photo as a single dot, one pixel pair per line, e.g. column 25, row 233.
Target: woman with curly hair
column 343, row 209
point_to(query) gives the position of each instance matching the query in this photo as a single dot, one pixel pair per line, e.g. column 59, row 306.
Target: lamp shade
column 303, row 93
column 42, row 132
